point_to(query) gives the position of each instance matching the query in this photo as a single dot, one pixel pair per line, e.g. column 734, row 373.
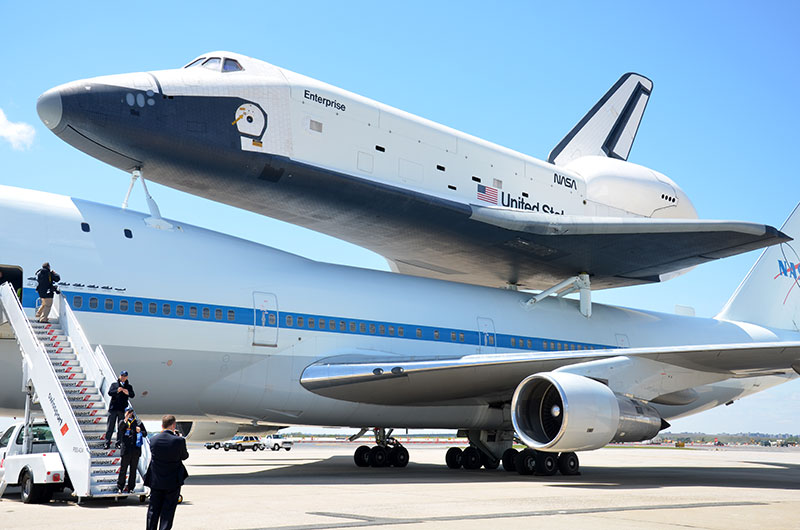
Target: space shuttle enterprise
column 435, row 202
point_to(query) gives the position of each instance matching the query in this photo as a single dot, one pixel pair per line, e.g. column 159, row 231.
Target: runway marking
column 359, row 521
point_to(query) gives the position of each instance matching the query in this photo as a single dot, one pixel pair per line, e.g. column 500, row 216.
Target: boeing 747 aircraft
column 433, row 201
column 295, row 341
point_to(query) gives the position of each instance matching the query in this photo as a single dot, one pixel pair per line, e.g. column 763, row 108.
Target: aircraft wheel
column 453, row 457
column 569, row 464
column 546, row 464
column 471, row 458
column 398, row 456
column 488, row 461
column 361, row 456
column 508, row 459
column 377, row 456
column 525, row 462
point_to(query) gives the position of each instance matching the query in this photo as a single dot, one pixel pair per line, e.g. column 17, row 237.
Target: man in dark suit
column 130, row 436
column 120, row 391
column 165, row 475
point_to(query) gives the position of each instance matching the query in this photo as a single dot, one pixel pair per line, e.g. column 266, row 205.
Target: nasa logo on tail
column 790, row 270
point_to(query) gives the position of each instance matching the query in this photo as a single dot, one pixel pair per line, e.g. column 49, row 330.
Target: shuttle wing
column 367, row 377
column 634, row 248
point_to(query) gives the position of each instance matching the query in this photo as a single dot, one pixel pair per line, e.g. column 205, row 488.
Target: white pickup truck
column 40, row 471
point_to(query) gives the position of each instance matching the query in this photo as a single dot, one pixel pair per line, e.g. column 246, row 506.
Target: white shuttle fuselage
column 434, row 201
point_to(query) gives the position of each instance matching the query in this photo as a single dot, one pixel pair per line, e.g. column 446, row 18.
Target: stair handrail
column 99, row 366
column 63, row 423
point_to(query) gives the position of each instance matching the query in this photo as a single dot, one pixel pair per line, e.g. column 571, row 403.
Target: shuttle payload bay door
column 265, row 319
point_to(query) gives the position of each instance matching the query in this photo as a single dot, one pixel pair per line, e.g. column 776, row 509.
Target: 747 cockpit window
column 231, row 65
column 196, row 62
column 213, row 63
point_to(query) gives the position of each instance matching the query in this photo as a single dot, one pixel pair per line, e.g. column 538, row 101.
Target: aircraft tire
column 488, row 461
column 471, row 458
column 508, row 459
column 377, row 456
column 398, row 456
column 525, row 462
column 361, row 456
column 546, row 464
column 569, row 464
column 453, row 457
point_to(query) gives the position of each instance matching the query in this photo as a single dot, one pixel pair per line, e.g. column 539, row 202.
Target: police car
column 242, row 442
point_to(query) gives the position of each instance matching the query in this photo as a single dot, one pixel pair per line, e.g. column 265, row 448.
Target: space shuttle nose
column 49, row 108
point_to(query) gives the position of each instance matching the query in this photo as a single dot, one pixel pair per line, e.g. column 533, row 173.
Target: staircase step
column 65, row 362
column 75, row 369
column 81, row 398
column 93, row 428
column 104, row 490
column 60, row 349
column 41, row 325
column 84, row 405
column 73, row 390
column 51, row 337
column 106, row 460
column 82, row 413
column 105, row 479
column 77, row 383
column 99, row 471
column 93, row 420
column 70, row 376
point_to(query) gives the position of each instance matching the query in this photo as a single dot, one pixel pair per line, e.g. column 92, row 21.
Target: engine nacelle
column 633, row 188
column 559, row 411
column 207, row 431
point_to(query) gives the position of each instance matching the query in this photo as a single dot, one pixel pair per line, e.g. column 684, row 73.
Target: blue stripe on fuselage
column 246, row 316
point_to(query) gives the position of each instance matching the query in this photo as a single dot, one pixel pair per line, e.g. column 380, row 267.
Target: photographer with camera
column 46, row 288
column 130, row 438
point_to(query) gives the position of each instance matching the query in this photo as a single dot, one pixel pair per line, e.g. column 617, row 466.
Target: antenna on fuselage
column 155, row 220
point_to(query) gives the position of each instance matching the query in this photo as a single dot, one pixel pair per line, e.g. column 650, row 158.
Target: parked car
column 277, row 442
column 242, row 442
column 213, row 445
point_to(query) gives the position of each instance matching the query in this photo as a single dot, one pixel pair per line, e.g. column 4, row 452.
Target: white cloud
column 19, row 135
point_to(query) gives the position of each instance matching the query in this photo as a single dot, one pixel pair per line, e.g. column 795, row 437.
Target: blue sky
column 721, row 122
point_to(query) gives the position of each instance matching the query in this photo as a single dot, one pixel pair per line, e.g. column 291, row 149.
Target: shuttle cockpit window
column 196, row 62
column 231, row 65
column 213, row 63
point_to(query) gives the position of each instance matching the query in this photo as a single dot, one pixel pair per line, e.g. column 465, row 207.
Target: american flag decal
column 487, row 194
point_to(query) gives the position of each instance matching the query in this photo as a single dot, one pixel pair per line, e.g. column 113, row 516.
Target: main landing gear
column 386, row 452
column 529, row 462
column 488, row 449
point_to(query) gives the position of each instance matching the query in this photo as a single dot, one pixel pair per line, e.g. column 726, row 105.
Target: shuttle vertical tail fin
column 609, row 128
column 770, row 293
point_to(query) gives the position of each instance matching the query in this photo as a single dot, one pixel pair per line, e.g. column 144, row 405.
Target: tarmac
column 318, row 487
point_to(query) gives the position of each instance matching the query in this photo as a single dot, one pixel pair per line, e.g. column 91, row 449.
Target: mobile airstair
column 70, row 381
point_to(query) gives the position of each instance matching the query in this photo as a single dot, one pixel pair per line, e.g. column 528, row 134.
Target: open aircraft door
column 486, row 335
column 265, row 319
